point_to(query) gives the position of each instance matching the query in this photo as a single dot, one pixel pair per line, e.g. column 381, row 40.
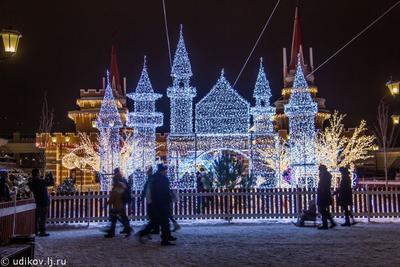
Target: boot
column 167, row 243
column 127, row 231
column 109, row 235
column 176, row 227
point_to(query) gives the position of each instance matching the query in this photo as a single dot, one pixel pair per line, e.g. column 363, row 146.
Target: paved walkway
column 232, row 245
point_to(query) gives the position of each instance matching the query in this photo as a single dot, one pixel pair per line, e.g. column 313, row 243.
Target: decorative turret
column 144, row 121
column 181, row 68
column 263, row 112
column 301, row 111
column 181, row 94
column 108, row 123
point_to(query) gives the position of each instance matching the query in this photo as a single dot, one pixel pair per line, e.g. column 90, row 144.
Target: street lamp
column 395, row 119
column 10, row 42
column 394, row 87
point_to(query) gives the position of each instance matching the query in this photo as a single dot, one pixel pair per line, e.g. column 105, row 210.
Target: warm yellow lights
column 394, row 87
column 396, row 119
column 54, row 139
column 10, row 41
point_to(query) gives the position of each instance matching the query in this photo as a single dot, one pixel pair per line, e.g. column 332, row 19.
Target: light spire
column 144, row 84
column 181, row 68
column 262, row 88
column 108, row 116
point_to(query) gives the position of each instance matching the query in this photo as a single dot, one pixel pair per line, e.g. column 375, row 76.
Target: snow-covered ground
column 231, row 244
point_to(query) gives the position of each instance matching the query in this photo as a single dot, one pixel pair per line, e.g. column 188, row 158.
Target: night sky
column 66, row 46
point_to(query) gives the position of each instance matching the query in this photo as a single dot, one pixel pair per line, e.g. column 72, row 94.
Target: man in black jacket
column 38, row 187
column 324, row 197
column 160, row 201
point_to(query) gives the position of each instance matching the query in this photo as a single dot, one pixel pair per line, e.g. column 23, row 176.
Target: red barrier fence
column 17, row 217
column 225, row 204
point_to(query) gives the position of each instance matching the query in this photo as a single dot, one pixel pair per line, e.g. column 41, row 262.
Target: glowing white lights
column 222, row 111
column 301, row 111
column 109, row 123
column 144, row 120
column 262, row 113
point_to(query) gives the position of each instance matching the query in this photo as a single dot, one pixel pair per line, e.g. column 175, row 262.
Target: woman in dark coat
column 345, row 195
column 324, row 197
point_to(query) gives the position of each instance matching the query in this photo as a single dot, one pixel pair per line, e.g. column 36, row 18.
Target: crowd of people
column 160, row 197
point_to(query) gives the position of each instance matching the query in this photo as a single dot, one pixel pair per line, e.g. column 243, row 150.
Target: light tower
column 262, row 133
column 263, row 112
column 144, row 120
column 181, row 94
column 109, row 123
column 301, row 111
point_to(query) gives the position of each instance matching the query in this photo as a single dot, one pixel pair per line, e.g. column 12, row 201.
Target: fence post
column 15, row 212
column 229, row 205
column 368, row 203
column 88, row 207
column 297, row 201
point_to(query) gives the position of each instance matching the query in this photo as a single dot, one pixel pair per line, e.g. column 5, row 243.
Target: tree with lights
column 334, row 149
column 277, row 158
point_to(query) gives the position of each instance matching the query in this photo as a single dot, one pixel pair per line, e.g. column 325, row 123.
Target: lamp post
column 394, row 89
column 10, row 43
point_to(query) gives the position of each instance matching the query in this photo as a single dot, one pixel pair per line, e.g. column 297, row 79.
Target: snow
column 230, row 244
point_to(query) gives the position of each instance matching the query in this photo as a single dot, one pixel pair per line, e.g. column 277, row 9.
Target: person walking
column 5, row 194
column 324, row 197
column 174, row 198
column 345, row 196
column 160, row 201
column 119, row 199
column 38, row 186
column 117, row 209
column 200, row 188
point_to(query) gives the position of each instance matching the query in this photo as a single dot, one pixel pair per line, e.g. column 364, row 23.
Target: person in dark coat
column 4, row 187
column 126, row 198
column 38, row 186
column 117, row 209
column 161, row 202
column 345, row 195
column 324, row 197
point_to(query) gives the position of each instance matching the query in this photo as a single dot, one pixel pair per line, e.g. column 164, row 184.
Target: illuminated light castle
column 144, row 120
column 221, row 122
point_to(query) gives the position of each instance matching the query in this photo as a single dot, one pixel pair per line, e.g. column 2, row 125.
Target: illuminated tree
column 277, row 158
column 334, row 149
